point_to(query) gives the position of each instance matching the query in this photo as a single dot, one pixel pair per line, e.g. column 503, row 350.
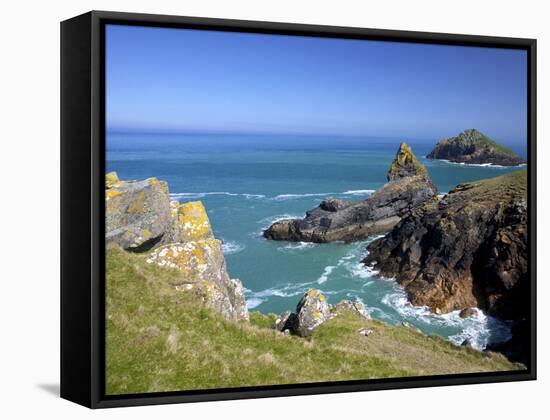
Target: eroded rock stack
column 337, row 220
column 141, row 218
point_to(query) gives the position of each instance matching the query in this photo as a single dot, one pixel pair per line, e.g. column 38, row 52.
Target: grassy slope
column 497, row 146
column 501, row 188
column 158, row 339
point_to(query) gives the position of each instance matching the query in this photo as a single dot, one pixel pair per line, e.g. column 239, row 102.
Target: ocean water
column 248, row 181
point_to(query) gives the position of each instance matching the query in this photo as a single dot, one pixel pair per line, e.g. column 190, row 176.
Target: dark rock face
column 473, row 147
column 466, row 250
column 338, row 220
column 334, row 204
column 517, row 348
column 468, row 312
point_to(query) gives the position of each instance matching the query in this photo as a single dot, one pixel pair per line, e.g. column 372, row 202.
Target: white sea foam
column 268, row 221
column 253, row 302
column 358, row 192
column 483, row 165
column 282, row 197
column 361, row 271
column 287, row 290
column 480, row 329
column 231, row 247
column 326, row 272
column 296, row 246
column 195, row 195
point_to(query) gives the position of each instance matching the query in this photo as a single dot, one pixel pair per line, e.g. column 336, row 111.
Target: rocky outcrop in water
column 473, row 147
column 468, row 249
column 141, row 218
column 409, row 185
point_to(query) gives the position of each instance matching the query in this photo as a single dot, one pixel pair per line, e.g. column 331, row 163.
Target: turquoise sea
column 248, row 181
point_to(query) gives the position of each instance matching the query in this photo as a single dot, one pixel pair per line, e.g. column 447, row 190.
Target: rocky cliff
column 338, row 220
column 141, row 218
column 468, row 249
column 474, row 147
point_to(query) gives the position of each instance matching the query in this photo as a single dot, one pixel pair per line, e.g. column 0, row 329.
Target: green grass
column 159, row 339
column 496, row 146
column 501, row 188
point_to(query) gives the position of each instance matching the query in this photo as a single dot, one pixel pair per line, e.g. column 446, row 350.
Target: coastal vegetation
column 159, row 338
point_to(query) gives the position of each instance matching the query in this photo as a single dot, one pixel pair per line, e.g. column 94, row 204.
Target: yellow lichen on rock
column 405, row 164
column 153, row 181
column 111, row 194
column 137, row 205
column 192, row 258
column 202, row 267
column 111, row 179
column 193, row 221
column 146, row 233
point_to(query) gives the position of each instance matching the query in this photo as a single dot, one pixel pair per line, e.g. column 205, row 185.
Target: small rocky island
column 474, row 147
column 468, row 249
column 409, row 185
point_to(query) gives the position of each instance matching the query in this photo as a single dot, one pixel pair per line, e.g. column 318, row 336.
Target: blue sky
column 162, row 79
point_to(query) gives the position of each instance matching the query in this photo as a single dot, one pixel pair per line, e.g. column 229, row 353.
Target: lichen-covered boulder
column 137, row 212
column 140, row 216
column 312, row 310
column 348, row 305
column 203, row 269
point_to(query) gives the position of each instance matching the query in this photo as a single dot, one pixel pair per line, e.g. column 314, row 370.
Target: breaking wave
column 326, row 272
column 480, row 329
column 296, row 246
column 195, row 195
column 231, row 247
column 358, row 192
column 483, row 165
column 282, row 197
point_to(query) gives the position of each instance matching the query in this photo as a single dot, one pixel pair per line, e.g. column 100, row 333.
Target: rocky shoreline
column 468, row 249
column 465, row 250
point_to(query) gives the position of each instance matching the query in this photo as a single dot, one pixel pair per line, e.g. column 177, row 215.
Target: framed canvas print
column 255, row 209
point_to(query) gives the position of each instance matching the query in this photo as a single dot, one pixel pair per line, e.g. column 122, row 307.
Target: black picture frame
column 82, row 206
